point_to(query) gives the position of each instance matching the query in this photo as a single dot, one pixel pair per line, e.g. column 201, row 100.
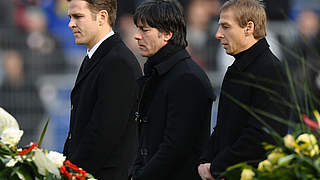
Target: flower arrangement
column 31, row 162
column 296, row 156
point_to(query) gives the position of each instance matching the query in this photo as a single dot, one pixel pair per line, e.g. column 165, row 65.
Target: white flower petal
column 11, row 163
column 11, row 136
column 56, row 158
column 7, row 121
column 44, row 164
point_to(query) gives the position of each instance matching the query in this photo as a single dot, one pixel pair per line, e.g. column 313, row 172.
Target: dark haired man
column 254, row 85
column 102, row 129
column 176, row 96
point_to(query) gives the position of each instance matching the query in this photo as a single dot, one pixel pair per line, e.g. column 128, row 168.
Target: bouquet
column 295, row 157
column 31, row 162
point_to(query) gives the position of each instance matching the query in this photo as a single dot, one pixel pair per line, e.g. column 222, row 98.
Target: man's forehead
column 226, row 17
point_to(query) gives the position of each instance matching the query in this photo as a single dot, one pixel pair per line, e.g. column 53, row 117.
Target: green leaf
column 286, row 160
column 24, row 174
column 268, row 146
column 43, row 132
column 51, row 177
column 5, row 173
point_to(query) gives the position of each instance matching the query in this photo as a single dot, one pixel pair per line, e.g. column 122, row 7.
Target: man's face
column 83, row 23
column 231, row 35
column 150, row 40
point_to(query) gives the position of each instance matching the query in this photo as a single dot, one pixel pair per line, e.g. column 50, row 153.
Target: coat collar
column 102, row 50
column 243, row 59
column 165, row 59
column 165, row 66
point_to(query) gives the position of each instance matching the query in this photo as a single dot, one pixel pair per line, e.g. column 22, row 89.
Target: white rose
column 7, row 121
column 44, row 164
column 11, row 136
column 56, row 158
column 11, row 163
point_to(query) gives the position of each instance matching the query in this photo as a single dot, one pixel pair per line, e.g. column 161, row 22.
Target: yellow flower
column 275, row 155
column 289, row 141
column 247, row 174
column 307, row 139
column 307, row 144
column 314, row 151
column 317, row 116
column 265, row 165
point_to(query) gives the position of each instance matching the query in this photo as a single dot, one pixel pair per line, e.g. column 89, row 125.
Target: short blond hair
column 249, row 10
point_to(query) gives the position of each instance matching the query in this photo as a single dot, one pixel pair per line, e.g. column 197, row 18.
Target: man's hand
column 204, row 171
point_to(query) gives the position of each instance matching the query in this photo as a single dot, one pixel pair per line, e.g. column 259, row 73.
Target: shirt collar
column 95, row 47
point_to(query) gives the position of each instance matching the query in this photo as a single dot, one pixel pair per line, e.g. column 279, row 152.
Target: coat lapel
column 102, row 50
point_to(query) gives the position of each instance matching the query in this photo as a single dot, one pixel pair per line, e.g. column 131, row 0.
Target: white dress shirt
column 95, row 47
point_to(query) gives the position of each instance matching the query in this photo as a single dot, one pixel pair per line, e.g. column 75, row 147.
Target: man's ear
column 249, row 29
column 103, row 17
column 167, row 36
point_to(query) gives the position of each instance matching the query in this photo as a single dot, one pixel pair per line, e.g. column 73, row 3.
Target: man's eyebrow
column 223, row 23
column 75, row 14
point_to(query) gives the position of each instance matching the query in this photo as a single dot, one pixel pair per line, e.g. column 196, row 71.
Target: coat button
column 71, row 107
column 137, row 117
column 144, row 152
column 70, row 136
column 144, row 119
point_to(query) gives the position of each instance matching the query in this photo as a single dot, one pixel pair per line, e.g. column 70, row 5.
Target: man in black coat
column 253, row 86
column 102, row 134
column 176, row 96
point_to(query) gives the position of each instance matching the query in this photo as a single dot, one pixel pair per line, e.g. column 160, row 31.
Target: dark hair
column 109, row 5
column 166, row 16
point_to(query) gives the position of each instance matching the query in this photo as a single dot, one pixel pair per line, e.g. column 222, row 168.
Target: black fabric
column 174, row 117
column 102, row 132
column 162, row 55
column 255, row 80
column 85, row 64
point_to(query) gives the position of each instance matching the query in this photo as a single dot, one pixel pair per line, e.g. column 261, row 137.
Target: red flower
column 313, row 125
column 29, row 149
column 72, row 166
column 64, row 171
column 78, row 177
column 75, row 171
column 83, row 172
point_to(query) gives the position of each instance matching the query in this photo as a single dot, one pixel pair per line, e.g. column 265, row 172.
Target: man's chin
column 79, row 42
column 229, row 53
column 144, row 54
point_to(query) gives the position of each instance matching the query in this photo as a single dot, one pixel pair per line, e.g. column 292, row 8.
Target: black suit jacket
column 175, row 108
column 102, row 138
column 255, row 80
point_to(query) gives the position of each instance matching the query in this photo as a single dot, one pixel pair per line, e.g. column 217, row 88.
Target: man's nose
column 71, row 23
column 219, row 34
column 137, row 35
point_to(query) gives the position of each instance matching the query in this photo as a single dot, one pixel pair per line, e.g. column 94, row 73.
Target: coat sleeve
column 116, row 96
column 188, row 103
column 248, row 147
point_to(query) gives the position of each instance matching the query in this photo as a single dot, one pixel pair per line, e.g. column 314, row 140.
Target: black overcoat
column 174, row 117
column 102, row 134
column 254, row 83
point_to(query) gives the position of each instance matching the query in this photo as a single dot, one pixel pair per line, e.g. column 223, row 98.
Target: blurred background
column 39, row 59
